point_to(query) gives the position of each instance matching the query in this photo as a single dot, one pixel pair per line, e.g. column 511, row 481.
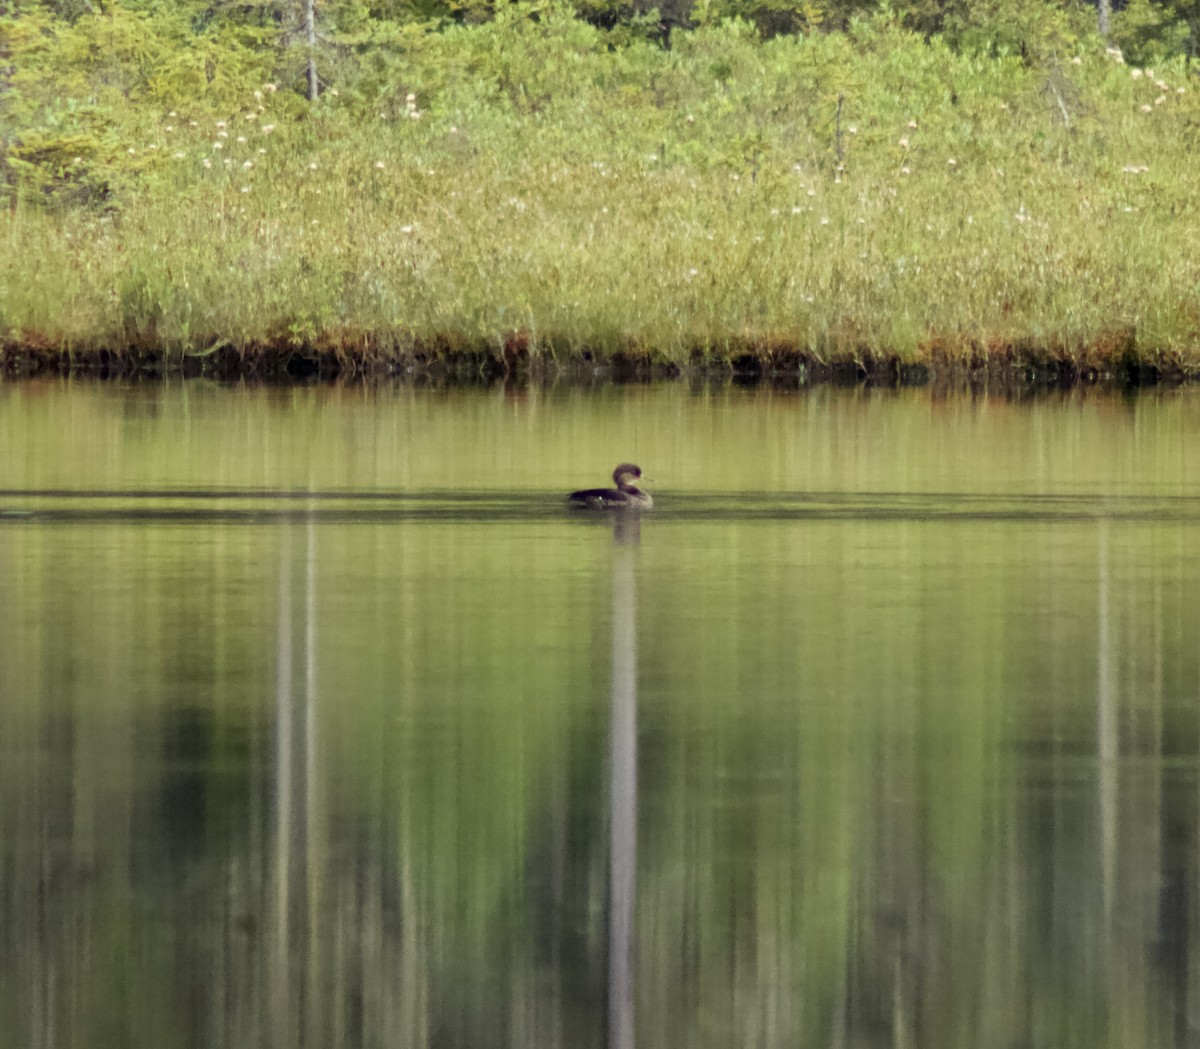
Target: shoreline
column 862, row 207
column 436, row 363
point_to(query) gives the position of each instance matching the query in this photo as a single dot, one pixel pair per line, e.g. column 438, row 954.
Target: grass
column 564, row 200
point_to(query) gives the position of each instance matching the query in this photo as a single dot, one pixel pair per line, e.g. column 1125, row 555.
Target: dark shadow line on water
column 16, row 517
column 243, row 493
column 229, row 506
column 738, row 499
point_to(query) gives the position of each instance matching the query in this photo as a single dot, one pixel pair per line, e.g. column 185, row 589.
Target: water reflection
column 823, row 764
column 623, row 782
column 295, row 960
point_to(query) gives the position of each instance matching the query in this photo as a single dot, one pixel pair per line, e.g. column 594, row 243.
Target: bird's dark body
column 626, row 496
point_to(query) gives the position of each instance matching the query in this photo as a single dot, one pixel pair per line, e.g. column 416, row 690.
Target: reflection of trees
column 871, row 836
column 296, row 961
column 941, row 870
column 622, row 881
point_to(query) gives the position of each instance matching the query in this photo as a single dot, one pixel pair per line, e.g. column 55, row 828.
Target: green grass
column 557, row 198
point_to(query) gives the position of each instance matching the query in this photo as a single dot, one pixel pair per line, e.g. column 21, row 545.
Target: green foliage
column 1148, row 31
column 871, row 190
column 86, row 97
column 1033, row 29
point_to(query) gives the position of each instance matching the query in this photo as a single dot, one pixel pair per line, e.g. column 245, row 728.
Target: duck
column 626, row 496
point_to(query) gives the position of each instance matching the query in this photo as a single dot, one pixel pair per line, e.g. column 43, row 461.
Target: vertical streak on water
column 1106, row 732
column 278, row 966
column 1193, row 938
column 311, row 838
column 623, row 799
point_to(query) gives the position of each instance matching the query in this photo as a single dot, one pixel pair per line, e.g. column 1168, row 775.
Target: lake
column 324, row 723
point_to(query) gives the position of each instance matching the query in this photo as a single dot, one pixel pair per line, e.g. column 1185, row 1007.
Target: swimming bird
column 626, row 496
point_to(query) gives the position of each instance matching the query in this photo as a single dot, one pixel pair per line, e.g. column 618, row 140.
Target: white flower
column 242, row 139
column 903, row 143
column 247, row 164
column 218, row 144
column 912, row 125
column 220, row 123
column 268, row 128
column 206, row 162
column 852, row 129
column 379, row 164
column 406, row 229
column 1147, row 109
column 952, row 162
column 906, row 170
column 1136, row 74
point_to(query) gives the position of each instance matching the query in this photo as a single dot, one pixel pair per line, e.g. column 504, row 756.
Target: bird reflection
column 623, row 784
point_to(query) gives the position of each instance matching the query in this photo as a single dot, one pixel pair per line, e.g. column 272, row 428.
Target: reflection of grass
column 570, row 199
column 840, row 812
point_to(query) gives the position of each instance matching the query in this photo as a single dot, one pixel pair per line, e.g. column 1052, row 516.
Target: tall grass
column 524, row 187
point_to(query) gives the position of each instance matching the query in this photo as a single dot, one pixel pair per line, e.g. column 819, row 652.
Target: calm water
column 323, row 724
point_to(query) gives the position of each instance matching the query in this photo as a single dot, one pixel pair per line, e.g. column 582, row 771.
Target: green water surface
column 324, row 723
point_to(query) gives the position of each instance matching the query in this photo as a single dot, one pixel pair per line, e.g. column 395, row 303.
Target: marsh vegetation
column 535, row 191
